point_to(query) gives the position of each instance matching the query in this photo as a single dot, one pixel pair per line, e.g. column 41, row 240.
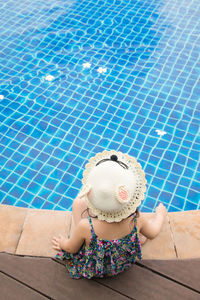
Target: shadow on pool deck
column 170, row 268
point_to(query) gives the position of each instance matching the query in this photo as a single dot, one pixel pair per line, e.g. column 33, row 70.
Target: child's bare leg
column 142, row 238
column 78, row 212
column 152, row 227
column 159, row 218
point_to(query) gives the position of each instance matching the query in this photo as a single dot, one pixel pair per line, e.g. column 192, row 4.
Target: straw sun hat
column 113, row 185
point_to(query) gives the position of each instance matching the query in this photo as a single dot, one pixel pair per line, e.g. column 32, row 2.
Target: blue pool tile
column 162, row 144
column 54, row 198
column 165, row 197
column 154, row 192
column 157, row 152
column 125, row 149
column 188, row 173
column 177, row 169
column 14, row 145
column 154, row 160
column 146, row 209
column 172, row 177
column 48, row 205
column 17, row 192
column 165, row 165
column 185, row 181
column 170, row 155
column 193, row 129
column 46, row 169
column 175, row 147
column 26, row 161
column 184, row 150
column 7, row 152
column 189, row 137
column 157, row 182
column 162, row 174
column 13, row 178
column 34, row 187
column 22, row 204
column 8, row 200
column 61, row 188
column 150, row 169
column 51, row 183
column 146, row 148
column 194, row 155
column 4, row 173
column 178, row 202
column 170, row 187
column 73, row 169
column 6, row 187
column 37, row 202
column 20, row 169
column 182, row 191
column 57, row 207
column 173, row 208
column 193, row 196
column 44, row 193
column 73, row 193
column 150, row 202
column 195, row 186
column 54, row 161
column 39, row 146
column 23, row 182
column 190, row 206
column 65, row 202
column 192, row 164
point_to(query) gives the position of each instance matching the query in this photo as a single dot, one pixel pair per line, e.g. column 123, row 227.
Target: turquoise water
column 79, row 77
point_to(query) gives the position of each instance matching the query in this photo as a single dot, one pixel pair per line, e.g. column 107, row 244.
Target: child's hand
column 59, row 243
column 161, row 210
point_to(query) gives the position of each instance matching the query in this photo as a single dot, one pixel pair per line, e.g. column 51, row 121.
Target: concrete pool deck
column 29, row 232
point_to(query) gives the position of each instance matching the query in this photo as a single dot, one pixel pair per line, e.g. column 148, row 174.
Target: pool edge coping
column 180, row 238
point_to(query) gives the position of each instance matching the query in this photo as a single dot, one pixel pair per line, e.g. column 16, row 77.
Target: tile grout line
column 53, row 213
column 172, row 236
column 22, row 229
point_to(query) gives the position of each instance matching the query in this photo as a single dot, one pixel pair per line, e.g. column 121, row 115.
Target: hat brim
column 138, row 196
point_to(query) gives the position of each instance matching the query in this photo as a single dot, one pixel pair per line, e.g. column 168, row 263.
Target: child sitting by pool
column 105, row 240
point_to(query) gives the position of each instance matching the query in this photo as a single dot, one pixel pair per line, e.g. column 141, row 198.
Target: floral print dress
column 103, row 257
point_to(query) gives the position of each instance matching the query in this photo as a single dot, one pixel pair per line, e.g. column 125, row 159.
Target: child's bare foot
column 161, row 210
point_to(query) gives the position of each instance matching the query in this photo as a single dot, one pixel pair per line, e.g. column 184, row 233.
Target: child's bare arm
column 73, row 244
column 150, row 228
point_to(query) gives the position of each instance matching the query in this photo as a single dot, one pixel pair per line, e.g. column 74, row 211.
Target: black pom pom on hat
column 114, row 157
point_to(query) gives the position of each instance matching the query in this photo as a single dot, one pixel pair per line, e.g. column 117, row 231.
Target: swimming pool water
column 79, row 77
